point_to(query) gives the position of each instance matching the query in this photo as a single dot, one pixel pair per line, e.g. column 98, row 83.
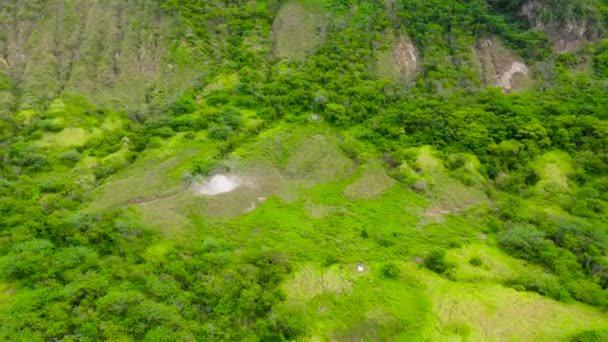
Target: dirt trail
column 155, row 199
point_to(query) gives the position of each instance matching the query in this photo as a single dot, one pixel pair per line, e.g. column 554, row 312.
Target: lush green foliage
column 90, row 194
column 436, row 262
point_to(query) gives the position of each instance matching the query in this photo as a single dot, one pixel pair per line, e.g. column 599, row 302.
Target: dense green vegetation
column 461, row 201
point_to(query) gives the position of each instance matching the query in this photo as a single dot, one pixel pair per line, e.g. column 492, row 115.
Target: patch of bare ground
column 500, row 67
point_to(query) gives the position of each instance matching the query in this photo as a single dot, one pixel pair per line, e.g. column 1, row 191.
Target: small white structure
column 360, row 268
column 314, row 117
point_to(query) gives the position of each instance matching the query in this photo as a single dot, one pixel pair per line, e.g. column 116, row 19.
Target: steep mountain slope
column 567, row 23
column 303, row 170
column 137, row 56
column 499, row 67
column 117, row 54
column 298, row 29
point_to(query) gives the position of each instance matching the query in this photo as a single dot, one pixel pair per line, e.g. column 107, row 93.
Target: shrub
column 336, row 114
column 51, row 125
column 519, row 288
column 455, row 161
column 165, row 132
column 37, row 135
column 330, row 259
column 511, row 209
column 588, row 292
column 590, row 336
column 31, row 159
column 113, row 164
column 217, row 98
column 579, row 236
column 352, row 148
column 154, row 122
column 390, row 270
column 231, row 118
column 187, row 122
column 436, row 262
column 464, row 176
column 220, row 132
column 364, row 234
column 600, row 61
column 155, row 142
column 476, row 261
column 544, row 284
column 50, row 185
column 184, row 105
column 532, row 178
column 384, row 242
column 493, row 223
column 522, row 241
column 205, row 167
column 70, row 157
column 455, row 244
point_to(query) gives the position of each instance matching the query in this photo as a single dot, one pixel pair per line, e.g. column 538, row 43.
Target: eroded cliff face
column 123, row 54
column 405, row 57
column 499, row 67
column 567, row 24
column 399, row 61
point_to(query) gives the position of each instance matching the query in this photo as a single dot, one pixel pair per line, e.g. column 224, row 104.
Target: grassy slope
column 298, row 29
column 488, row 312
column 316, row 210
column 118, row 54
column 317, row 202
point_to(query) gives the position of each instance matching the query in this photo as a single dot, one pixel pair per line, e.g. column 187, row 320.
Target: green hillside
column 303, row 170
column 118, row 54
